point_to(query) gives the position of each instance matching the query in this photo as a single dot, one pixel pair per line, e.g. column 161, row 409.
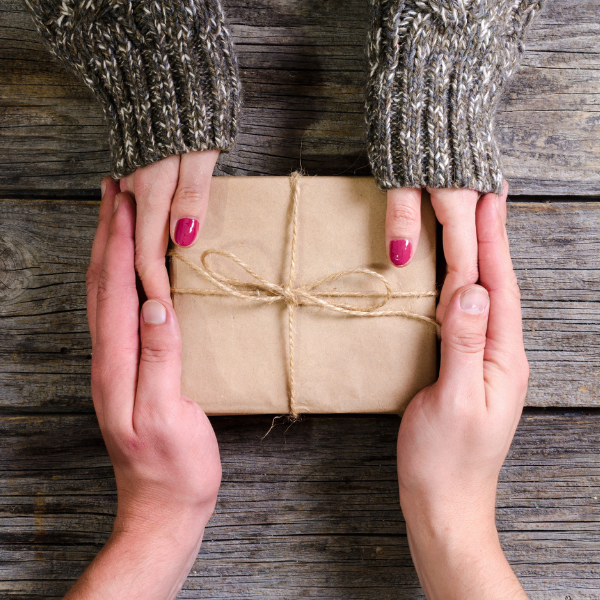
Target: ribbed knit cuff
column 437, row 71
column 163, row 70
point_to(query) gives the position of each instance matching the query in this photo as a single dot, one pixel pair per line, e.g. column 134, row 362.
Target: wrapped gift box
column 236, row 354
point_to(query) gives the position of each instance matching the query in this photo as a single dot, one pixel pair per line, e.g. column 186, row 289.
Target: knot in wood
column 15, row 261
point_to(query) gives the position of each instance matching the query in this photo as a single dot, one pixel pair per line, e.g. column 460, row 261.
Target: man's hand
column 455, row 434
column 455, row 210
column 171, row 197
column 162, row 446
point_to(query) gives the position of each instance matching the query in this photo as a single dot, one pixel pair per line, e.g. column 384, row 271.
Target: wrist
column 459, row 555
column 175, row 546
column 458, row 541
column 178, row 527
column 143, row 507
column 451, row 522
column 139, row 563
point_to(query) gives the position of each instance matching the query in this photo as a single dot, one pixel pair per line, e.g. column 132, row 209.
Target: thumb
column 464, row 337
column 160, row 355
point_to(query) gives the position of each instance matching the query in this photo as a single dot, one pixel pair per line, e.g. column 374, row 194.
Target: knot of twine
column 265, row 292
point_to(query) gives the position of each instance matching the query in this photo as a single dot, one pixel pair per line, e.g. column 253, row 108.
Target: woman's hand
column 455, row 210
column 162, row 446
column 455, row 435
column 171, row 197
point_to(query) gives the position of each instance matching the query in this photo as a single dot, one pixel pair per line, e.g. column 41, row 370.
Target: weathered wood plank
column 311, row 512
column 45, row 348
column 303, row 68
column 554, row 248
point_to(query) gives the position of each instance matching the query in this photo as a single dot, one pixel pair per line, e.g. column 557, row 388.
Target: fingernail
column 185, row 231
column 400, row 252
column 117, row 201
column 102, row 188
column 475, row 300
column 154, row 313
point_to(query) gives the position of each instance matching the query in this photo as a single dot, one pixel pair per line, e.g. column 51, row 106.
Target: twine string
column 291, row 297
column 262, row 291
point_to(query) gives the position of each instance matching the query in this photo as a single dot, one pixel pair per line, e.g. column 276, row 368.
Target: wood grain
column 303, row 69
column 554, row 247
column 310, row 512
column 44, row 341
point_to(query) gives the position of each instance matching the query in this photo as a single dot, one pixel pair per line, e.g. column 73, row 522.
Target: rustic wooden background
column 311, row 512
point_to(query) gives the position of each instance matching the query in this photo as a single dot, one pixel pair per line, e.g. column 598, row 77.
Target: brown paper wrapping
column 235, row 352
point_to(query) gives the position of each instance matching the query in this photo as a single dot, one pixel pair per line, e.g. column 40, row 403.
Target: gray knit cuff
column 437, row 71
column 163, row 70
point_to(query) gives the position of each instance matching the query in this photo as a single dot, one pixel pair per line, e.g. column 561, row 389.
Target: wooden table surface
column 312, row 511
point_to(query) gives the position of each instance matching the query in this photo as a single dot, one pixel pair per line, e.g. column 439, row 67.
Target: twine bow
column 262, row 291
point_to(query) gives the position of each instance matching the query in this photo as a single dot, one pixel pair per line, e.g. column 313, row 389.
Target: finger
column 115, row 357
column 500, row 203
column 153, row 187
column 402, row 224
column 160, row 358
column 497, row 276
column 110, row 189
column 464, row 340
column 455, row 210
column 191, row 197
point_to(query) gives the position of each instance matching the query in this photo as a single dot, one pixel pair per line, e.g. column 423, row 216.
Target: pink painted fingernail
column 400, row 252
column 186, row 231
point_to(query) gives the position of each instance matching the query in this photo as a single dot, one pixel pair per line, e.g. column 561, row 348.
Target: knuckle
column 188, row 196
column 140, row 261
column 143, row 257
column 467, row 341
column 142, row 192
column 472, row 273
column 130, row 442
column 91, row 277
column 157, row 351
column 112, row 289
column 145, row 264
column 103, row 285
column 139, row 184
column 513, row 287
column 466, row 275
column 403, row 215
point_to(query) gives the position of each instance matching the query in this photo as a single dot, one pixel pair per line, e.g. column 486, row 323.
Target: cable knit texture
column 164, row 71
column 437, row 69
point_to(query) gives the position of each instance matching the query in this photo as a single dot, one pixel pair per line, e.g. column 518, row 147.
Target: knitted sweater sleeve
column 163, row 70
column 437, row 69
